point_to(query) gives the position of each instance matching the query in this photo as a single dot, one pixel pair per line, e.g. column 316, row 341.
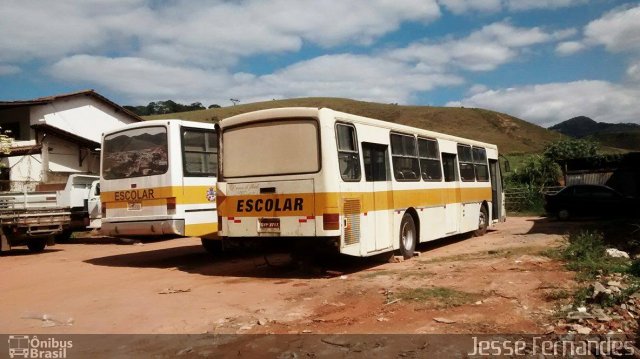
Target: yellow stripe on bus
column 298, row 204
column 209, row 230
column 183, row 195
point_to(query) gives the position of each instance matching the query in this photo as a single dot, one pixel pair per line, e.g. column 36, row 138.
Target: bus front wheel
column 483, row 223
column 407, row 236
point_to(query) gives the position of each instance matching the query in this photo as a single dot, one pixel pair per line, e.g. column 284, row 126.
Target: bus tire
column 483, row 222
column 408, row 236
column 36, row 245
column 213, row 246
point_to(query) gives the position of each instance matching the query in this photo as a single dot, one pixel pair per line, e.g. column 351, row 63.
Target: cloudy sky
column 542, row 60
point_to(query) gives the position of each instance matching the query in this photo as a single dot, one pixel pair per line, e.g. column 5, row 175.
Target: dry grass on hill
column 511, row 134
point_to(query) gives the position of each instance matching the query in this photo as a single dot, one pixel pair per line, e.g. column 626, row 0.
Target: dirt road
column 495, row 283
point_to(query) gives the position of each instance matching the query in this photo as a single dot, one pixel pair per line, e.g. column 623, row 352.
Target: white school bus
column 365, row 185
column 159, row 178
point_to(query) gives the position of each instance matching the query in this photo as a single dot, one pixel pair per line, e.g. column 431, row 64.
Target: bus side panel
column 198, row 207
column 431, row 223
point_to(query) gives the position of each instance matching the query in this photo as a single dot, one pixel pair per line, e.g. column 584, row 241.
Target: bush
column 586, row 255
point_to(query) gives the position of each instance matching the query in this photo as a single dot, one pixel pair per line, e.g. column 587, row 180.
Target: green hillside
column 509, row 133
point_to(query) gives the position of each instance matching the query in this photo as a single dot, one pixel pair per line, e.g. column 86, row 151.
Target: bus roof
column 296, row 112
column 160, row 123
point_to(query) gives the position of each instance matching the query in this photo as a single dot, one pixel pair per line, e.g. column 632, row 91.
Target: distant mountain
column 619, row 135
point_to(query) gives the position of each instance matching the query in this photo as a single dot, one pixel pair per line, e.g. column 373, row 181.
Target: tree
column 537, row 171
column 571, row 148
column 214, row 106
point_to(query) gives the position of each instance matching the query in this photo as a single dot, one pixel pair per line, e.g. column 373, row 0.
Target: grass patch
column 505, row 253
column 558, row 295
column 585, row 254
column 403, row 273
column 438, row 296
column 379, row 273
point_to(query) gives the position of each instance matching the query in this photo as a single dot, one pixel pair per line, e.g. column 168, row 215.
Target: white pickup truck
column 36, row 219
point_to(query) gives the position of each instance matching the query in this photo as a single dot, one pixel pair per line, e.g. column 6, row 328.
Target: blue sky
column 544, row 61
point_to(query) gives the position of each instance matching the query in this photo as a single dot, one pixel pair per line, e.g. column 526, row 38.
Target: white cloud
column 360, row 77
column 463, row 6
column 618, row 31
column 136, row 77
column 524, row 5
column 483, row 50
column 477, row 88
column 9, row 70
column 33, row 29
column 569, row 48
column 547, row 104
column 633, row 71
column 202, row 32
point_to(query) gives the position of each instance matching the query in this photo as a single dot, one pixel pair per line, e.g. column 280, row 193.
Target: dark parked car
column 589, row 201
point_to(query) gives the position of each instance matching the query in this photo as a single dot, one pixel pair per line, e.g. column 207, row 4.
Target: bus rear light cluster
column 331, row 221
column 171, row 205
column 104, row 209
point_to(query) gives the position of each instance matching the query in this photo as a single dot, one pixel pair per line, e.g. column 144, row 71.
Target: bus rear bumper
column 143, row 228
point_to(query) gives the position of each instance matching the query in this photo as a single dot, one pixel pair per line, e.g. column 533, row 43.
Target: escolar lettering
column 270, row 204
column 137, row 195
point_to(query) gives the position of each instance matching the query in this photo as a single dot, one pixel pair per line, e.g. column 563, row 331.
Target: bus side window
column 348, row 155
column 467, row 172
column 449, row 166
column 429, row 159
column 404, row 153
column 199, row 152
column 480, row 164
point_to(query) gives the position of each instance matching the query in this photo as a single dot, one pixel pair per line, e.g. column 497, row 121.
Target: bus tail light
column 331, row 221
column 104, row 210
column 171, row 205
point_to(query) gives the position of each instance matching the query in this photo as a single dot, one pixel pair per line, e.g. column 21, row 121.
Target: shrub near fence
column 527, row 199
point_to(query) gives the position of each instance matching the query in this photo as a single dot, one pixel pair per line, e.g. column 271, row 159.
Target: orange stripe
column 332, row 201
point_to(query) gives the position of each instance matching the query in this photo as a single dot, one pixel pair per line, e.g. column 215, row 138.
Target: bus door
column 378, row 177
column 496, row 189
column 451, row 196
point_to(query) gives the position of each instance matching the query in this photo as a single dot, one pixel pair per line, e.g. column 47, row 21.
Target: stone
column 444, row 320
column 581, row 329
column 575, row 316
column 600, row 315
column 616, row 253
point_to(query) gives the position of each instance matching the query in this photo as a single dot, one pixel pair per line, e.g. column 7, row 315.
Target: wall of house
column 64, row 157
column 84, row 116
column 25, row 171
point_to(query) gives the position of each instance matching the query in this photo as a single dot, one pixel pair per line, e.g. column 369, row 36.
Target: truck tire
column 37, row 245
column 64, row 236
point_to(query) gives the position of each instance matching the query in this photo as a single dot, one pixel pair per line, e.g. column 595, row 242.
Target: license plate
column 134, row 206
column 269, row 225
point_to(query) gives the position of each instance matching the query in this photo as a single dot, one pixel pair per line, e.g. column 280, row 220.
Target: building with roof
column 56, row 136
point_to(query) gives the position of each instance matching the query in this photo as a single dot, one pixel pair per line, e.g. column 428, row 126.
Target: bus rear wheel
column 482, row 222
column 213, row 246
column 408, row 236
